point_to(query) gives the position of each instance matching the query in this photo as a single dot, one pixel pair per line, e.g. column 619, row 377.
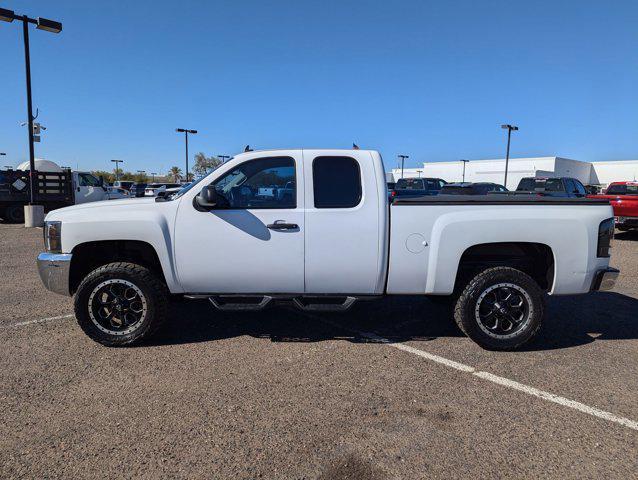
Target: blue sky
column 431, row 79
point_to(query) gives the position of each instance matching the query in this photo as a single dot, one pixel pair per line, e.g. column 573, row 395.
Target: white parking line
column 38, row 320
column 505, row 382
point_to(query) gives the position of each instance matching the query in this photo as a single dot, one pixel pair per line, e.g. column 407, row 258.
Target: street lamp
column 464, row 162
column 186, row 132
column 223, row 158
column 402, row 157
column 507, row 155
column 153, row 174
column 117, row 168
column 48, row 26
column 419, row 172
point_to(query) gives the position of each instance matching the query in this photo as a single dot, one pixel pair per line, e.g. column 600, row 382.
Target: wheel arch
column 533, row 258
column 88, row 256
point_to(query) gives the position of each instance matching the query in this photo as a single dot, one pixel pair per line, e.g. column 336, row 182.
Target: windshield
column 185, row 189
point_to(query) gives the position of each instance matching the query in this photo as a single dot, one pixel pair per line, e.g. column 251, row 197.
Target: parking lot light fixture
column 153, row 174
column 223, row 158
column 7, row 15
column 186, row 131
column 48, row 26
column 507, row 154
column 402, row 157
column 464, row 162
column 117, row 168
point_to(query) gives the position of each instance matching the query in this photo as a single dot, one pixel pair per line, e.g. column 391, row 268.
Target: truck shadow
column 570, row 322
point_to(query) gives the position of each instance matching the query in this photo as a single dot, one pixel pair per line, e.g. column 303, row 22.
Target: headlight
column 605, row 236
column 53, row 237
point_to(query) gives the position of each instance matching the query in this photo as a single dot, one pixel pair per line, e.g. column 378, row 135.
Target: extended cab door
column 346, row 215
column 254, row 241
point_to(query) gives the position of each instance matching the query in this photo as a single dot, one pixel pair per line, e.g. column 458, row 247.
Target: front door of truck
column 253, row 243
column 88, row 189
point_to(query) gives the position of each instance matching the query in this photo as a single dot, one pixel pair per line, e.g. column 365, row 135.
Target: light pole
column 419, row 172
column 117, row 168
column 153, row 174
column 223, row 158
column 186, row 132
column 507, row 155
column 48, row 26
column 464, row 162
column 141, row 172
column 402, row 157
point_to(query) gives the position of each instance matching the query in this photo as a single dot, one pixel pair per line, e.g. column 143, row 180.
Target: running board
column 238, row 303
column 324, row 303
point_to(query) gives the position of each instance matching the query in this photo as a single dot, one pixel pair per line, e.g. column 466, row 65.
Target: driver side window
column 87, row 180
column 259, row 184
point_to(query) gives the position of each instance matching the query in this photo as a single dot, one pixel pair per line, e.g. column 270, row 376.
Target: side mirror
column 208, row 198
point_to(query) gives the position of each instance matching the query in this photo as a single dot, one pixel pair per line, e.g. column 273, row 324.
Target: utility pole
column 464, row 162
column 507, row 154
column 117, row 168
column 41, row 24
column 402, row 157
column 186, row 131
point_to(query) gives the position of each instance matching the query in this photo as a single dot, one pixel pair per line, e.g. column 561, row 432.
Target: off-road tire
column 465, row 313
column 155, row 294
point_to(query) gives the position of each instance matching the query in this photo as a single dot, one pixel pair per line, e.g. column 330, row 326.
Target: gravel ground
column 283, row 394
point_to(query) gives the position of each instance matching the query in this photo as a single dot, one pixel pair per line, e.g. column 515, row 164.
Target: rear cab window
column 410, row 184
column 336, row 182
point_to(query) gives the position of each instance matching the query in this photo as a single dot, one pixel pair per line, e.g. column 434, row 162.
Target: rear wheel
column 121, row 304
column 14, row 214
column 500, row 308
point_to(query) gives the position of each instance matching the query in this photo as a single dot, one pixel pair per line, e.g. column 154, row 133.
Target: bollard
column 33, row 216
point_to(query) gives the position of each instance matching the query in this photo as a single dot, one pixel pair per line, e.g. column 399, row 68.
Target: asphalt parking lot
column 390, row 389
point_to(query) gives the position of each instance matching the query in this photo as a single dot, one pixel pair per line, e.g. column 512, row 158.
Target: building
column 589, row 173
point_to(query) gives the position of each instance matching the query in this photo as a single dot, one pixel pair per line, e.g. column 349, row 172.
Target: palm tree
column 175, row 173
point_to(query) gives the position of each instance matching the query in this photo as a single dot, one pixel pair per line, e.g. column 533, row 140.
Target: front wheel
column 500, row 308
column 120, row 304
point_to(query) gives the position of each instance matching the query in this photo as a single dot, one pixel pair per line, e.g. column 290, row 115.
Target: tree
column 204, row 165
column 107, row 176
column 175, row 174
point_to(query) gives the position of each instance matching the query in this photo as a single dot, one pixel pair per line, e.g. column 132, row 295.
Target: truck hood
column 97, row 206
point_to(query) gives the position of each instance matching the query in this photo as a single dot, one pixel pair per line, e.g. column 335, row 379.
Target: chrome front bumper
column 605, row 279
column 54, row 269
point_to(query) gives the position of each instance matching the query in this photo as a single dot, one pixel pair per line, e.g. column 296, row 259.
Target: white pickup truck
column 314, row 227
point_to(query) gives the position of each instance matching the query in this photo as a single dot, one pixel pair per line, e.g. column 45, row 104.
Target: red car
column 623, row 196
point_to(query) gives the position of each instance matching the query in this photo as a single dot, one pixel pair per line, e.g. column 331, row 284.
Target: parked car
column 153, row 189
column 467, row 188
column 552, row 187
column 417, row 187
column 124, row 184
column 331, row 243
column 138, row 190
column 116, row 193
column 623, row 197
